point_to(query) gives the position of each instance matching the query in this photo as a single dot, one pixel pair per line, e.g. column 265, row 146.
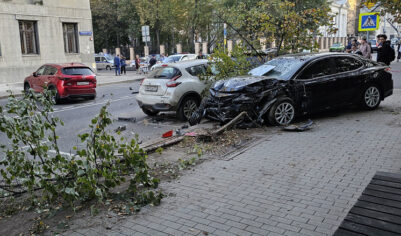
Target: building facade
column 35, row 32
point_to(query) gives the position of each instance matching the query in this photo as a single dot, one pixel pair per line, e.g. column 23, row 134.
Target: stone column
column 118, row 52
column 162, row 49
column 204, row 48
column 197, row 48
column 229, row 46
column 146, row 49
column 263, row 43
column 104, row 51
column 131, row 54
column 179, row 48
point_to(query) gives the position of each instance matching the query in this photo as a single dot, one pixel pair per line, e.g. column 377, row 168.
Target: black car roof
column 311, row 56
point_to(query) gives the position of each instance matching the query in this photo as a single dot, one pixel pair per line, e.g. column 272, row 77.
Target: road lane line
column 95, row 104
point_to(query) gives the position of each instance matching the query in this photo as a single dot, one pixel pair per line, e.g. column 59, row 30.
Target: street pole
column 225, row 36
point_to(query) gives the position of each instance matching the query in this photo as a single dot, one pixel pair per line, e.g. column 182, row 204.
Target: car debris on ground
column 299, row 128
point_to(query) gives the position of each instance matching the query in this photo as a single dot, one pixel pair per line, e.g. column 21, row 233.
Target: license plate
column 82, row 83
column 151, row 88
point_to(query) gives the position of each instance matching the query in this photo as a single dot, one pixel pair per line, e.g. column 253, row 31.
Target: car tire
column 282, row 112
column 26, row 87
column 371, row 97
column 108, row 68
column 56, row 98
column 149, row 112
column 188, row 106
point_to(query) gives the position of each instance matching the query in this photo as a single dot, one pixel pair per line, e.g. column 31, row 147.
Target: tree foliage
column 32, row 160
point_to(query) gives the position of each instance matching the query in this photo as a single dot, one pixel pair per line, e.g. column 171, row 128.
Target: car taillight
column 388, row 69
column 173, row 82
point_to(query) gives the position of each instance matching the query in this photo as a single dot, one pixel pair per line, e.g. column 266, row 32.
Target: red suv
column 72, row 80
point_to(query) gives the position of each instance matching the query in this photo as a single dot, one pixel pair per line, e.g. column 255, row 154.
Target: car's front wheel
column 188, row 106
column 282, row 112
column 108, row 68
column 371, row 97
column 149, row 112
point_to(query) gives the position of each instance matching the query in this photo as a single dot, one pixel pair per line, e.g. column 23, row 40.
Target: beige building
column 35, row 32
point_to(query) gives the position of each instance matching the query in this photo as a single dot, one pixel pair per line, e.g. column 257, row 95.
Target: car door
column 49, row 76
column 348, row 76
column 318, row 84
column 37, row 83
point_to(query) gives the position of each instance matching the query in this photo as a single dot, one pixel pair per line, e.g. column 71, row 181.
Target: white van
column 104, row 61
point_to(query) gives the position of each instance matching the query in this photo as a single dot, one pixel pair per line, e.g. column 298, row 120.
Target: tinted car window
column 97, row 59
column 344, row 64
column 317, row 69
column 41, row 70
column 164, row 73
column 77, row 71
column 49, row 70
column 196, row 70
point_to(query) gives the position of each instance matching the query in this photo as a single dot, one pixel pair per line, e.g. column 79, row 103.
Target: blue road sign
column 368, row 21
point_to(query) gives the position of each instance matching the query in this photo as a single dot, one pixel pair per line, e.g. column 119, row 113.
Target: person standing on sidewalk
column 399, row 51
column 385, row 53
column 365, row 49
column 117, row 64
column 137, row 63
column 123, row 65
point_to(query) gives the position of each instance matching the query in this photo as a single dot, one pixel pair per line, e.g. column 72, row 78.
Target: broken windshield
column 279, row 68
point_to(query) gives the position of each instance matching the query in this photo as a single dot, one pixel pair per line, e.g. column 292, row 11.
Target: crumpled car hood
column 239, row 83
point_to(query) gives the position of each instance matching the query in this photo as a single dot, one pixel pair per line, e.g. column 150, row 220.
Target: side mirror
column 34, row 74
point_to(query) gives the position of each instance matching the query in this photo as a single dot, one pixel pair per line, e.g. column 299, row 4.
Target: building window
column 70, row 32
column 29, row 37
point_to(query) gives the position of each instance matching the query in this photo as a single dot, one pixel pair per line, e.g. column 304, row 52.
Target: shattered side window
column 196, row 70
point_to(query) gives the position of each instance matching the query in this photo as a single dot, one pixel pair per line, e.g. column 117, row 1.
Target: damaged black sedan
column 294, row 85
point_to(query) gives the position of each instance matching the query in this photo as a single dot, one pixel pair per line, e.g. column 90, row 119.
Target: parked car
column 173, row 87
column 373, row 44
column 179, row 57
column 104, row 61
column 337, row 47
column 72, row 80
column 293, row 85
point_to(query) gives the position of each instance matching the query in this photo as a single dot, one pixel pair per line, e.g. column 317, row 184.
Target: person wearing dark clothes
column 117, row 64
column 399, row 51
column 137, row 62
column 200, row 56
column 384, row 50
column 152, row 62
column 123, row 65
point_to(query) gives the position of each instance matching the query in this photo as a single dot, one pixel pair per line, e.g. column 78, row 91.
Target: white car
column 173, row 87
column 176, row 58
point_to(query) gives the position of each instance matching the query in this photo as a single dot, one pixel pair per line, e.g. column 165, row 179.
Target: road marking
column 92, row 104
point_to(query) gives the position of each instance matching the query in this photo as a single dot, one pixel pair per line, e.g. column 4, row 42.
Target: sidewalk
column 286, row 184
column 103, row 78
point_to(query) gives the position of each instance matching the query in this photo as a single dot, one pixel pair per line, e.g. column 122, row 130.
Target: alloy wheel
column 190, row 107
column 372, row 96
column 284, row 113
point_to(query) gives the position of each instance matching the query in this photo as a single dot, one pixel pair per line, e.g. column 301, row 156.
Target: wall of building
column 49, row 15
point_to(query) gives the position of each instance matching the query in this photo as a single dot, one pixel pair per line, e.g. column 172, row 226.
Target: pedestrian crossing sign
column 368, row 21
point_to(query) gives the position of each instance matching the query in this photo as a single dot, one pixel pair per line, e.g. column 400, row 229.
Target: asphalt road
column 78, row 114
